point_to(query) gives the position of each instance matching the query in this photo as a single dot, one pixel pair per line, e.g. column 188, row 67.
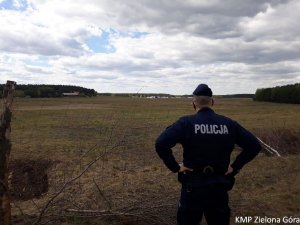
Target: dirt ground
column 28, row 179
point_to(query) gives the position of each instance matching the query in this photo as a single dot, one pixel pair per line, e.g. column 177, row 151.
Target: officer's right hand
column 229, row 170
column 183, row 168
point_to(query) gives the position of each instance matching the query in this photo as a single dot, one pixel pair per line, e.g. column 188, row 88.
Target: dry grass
column 130, row 178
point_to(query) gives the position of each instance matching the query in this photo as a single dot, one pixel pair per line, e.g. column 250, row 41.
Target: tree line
column 48, row 91
column 283, row 94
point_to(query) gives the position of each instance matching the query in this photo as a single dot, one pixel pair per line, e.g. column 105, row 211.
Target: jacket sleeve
column 249, row 144
column 166, row 141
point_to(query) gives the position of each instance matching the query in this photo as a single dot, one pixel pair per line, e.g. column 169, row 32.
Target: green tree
column 285, row 94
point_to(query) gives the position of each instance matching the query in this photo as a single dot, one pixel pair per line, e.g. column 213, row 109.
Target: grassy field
column 128, row 179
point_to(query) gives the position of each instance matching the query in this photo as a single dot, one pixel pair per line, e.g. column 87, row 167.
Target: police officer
column 206, row 173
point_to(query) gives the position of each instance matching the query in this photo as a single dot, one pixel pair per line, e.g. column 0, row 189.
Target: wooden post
column 5, row 147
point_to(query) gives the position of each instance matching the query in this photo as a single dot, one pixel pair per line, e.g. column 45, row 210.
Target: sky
column 151, row 46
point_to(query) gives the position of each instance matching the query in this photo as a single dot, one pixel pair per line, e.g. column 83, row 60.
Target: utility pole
column 5, row 148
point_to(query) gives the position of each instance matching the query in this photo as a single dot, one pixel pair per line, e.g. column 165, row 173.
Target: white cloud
column 246, row 44
column 19, row 3
column 280, row 23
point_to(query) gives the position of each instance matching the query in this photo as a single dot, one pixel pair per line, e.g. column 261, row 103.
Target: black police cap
column 203, row 90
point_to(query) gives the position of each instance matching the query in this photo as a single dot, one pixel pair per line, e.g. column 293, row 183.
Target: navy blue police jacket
column 207, row 140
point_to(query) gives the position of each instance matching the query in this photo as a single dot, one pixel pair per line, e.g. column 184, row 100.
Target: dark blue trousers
column 210, row 201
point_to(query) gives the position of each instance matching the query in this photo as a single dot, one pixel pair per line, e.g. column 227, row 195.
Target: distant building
column 74, row 93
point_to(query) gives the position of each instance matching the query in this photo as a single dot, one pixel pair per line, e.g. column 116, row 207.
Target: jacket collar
column 206, row 109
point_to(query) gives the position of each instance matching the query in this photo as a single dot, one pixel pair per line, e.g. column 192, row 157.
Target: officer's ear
column 194, row 105
column 212, row 102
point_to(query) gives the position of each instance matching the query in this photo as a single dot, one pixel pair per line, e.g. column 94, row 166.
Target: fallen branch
column 101, row 213
column 269, row 148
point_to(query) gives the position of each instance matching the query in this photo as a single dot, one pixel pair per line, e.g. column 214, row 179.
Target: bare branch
column 102, row 195
column 66, row 184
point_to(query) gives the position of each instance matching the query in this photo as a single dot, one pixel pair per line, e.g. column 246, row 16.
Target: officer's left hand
column 183, row 168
